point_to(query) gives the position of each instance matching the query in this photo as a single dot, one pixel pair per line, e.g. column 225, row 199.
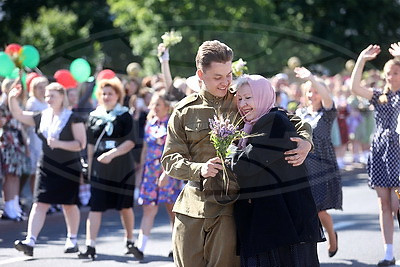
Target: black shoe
column 333, row 253
column 4, row 216
column 132, row 249
column 28, row 250
column 72, row 249
column 171, row 254
column 51, row 210
column 387, row 263
column 90, row 253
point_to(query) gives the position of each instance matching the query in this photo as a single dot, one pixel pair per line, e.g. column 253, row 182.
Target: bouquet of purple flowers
column 222, row 135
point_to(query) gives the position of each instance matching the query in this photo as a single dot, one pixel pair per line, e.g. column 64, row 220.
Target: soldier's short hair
column 212, row 51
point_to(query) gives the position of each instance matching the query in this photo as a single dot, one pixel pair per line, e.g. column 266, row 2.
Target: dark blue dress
column 324, row 174
column 383, row 163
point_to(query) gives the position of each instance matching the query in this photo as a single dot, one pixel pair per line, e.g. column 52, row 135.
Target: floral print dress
column 13, row 158
column 150, row 193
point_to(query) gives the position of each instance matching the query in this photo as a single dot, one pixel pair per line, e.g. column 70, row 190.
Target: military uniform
column 204, row 231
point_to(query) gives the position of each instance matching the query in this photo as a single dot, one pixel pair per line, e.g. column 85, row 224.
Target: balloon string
column 38, row 70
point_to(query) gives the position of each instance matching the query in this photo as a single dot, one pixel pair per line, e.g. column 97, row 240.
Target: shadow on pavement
column 353, row 263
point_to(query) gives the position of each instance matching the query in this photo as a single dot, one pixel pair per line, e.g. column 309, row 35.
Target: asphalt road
column 360, row 241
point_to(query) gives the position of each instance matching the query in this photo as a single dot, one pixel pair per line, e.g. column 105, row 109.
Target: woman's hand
column 299, row 154
column 16, row 91
column 163, row 180
column 53, row 143
column 394, row 49
column 163, row 52
column 370, row 52
column 105, row 158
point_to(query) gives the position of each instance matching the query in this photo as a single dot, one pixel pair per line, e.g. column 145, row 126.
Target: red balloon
column 105, row 74
column 64, row 77
column 29, row 79
column 13, row 49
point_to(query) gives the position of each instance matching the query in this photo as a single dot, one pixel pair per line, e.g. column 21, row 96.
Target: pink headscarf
column 264, row 100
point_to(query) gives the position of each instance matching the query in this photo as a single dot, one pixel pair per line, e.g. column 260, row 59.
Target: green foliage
column 265, row 33
column 52, row 28
column 52, row 25
column 198, row 21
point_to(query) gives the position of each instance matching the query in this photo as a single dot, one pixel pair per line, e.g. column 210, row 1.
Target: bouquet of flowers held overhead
column 171, row 38
column 222, row 135
column 239, row 67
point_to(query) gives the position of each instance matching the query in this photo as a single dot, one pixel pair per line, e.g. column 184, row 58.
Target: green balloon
column 14, row 74
column 29, row 56
column 80, row 69
column 24, row 80
column 6, row 65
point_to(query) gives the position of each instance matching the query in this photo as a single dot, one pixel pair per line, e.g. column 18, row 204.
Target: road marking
column 13, row 260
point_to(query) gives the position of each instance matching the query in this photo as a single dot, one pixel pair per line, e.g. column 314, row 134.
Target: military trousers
column 201, row 242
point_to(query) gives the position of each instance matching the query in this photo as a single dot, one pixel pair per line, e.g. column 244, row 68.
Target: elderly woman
column 276, row 218
column 57, row 180
column 111, row 136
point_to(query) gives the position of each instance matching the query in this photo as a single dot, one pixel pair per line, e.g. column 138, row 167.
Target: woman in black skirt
column 276, row 218
column 111, row 135
column 63, row 136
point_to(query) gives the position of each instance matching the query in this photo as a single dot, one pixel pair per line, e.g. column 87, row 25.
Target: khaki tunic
column 188, row 147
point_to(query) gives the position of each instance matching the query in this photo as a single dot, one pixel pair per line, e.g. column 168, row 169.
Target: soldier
column 204, row 230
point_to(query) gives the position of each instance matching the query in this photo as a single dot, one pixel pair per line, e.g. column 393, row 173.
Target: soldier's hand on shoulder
column 297, row 156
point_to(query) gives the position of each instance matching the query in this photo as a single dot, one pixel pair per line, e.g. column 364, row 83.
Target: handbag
column 85, row 169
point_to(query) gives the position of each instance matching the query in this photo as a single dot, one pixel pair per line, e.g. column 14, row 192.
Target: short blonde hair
column 383, row 99
column 6, row 85
column 115, row 84
column 34, row 83
column 60, row 89
column 164, row 98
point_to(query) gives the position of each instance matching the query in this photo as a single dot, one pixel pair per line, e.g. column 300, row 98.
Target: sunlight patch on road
column 13, row 260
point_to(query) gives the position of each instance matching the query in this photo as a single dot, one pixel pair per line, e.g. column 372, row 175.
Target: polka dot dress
column 384, row 160
column 324, row 175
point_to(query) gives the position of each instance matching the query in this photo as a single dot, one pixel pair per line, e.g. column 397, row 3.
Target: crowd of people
column 152, row 134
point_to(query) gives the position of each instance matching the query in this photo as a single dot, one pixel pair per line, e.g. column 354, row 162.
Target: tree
column 353, row 24
column 198, row 21
column 50, row 25
column 52, row 28
column 263, row 32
